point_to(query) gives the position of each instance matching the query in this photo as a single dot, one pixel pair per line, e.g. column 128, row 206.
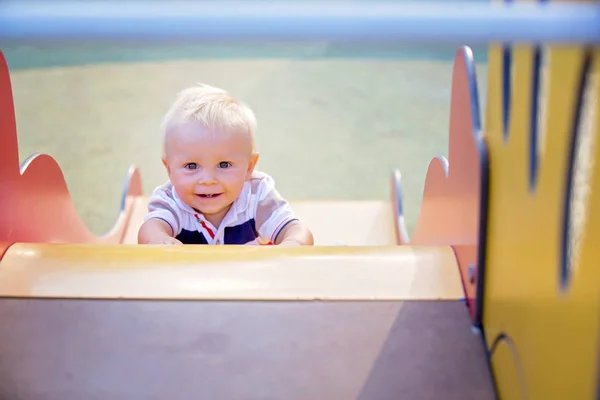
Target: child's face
column 207, row 170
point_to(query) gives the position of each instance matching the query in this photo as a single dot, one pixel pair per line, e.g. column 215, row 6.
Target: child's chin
column 211, row 209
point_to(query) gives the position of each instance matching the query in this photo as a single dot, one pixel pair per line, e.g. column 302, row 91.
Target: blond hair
column 214, row 108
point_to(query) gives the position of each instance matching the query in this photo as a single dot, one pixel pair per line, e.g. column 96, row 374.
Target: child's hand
column 289, row 243
column 157, row 231
column 167, row 241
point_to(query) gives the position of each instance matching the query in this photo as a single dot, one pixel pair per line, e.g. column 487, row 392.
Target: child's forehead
column 203, row 142
column 196, row 132
column 192, row 130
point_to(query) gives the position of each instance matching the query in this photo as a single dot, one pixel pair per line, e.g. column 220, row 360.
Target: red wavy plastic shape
column 450, row 209
column 35, row 202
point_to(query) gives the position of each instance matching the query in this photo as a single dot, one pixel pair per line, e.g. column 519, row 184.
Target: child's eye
column 191, row 166
column 224, row 164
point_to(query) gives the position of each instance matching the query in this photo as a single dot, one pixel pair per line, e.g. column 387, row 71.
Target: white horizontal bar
column 465, row 22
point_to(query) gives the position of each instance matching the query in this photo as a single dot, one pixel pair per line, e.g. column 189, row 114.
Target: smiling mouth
column 209, row 196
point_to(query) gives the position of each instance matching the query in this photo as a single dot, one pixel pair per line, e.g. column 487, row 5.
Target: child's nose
column 207, row 177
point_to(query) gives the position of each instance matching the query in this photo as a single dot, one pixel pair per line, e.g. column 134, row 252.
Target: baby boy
column 214, row 195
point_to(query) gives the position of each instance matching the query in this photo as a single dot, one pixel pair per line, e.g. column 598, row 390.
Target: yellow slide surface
column 230, row 272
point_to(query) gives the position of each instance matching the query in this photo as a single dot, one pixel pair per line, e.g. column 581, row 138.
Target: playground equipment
column 482, row 302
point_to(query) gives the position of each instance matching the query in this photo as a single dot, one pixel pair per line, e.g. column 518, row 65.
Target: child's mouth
column 209, row 195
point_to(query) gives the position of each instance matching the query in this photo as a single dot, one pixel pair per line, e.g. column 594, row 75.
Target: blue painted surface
column 535, row 109
column 506, row 87
column 506, row 84
column 475, row 22
column 533, row 130
column 79, row 50
column 53, row 53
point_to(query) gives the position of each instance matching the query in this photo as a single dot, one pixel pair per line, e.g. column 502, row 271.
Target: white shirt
column 256, row 216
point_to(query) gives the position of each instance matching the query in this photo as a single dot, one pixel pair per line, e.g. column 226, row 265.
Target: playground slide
column 223, row 323
column 356, row 316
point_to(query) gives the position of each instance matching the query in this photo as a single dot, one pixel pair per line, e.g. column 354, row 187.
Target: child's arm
column 156, row 231
column 161, row 224
column 294, row 234
column 275, row 219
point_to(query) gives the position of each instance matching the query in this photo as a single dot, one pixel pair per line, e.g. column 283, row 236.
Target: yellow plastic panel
column 511, row 375
column 230, row 272
column 553, row 330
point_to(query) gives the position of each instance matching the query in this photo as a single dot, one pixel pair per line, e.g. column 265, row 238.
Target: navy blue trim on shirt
column 281, row 228
column 242, row 233
column 191, row 237
column 238, row 234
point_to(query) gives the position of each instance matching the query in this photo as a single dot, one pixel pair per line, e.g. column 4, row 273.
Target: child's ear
column 252, row 165
column 166, row 164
